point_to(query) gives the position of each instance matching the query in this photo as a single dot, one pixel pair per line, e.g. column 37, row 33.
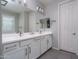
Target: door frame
column 59, row 23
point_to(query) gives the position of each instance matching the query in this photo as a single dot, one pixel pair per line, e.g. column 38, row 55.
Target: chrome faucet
column 20, row 33
column 40, row 31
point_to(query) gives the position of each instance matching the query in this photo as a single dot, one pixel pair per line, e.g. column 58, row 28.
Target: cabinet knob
column 29, row 49
column 26, row 51
column 47, row 41
column 74, row 34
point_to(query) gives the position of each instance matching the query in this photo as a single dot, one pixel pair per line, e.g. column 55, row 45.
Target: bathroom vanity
column 25, row 33
column 28, row 46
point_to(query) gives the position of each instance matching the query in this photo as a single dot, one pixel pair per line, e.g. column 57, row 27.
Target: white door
column 68, row 26
column 43, row 45
column 16, row 54
column 35, row 49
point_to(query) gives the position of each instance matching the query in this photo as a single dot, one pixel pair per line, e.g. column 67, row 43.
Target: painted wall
column 52, row 13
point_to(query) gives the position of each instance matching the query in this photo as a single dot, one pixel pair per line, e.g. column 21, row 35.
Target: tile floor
column 55, row 54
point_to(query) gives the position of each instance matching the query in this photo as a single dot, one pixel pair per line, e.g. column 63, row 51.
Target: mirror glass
column 15, row 17
column 45, row 23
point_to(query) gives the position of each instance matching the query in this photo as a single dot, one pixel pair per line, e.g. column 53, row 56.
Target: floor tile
column 55, row 54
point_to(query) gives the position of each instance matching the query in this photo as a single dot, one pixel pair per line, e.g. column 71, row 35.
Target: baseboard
column 77, row 54
column 68, row 51
column 55, row 48
column 44, row 52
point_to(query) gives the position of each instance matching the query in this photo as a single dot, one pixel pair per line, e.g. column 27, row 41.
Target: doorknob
column 73, row 33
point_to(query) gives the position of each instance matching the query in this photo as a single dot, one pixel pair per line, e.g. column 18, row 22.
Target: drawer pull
column 10, row 47
column 29, row 49
column 47, row 41
column 26, row 51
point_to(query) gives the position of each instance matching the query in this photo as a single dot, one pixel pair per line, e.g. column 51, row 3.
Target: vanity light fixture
column 13, row 0
column 37, row 8
column 25, row 2
column 4, row 2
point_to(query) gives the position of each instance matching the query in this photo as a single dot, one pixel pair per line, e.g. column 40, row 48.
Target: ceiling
column 13, row 6
column 46, row 2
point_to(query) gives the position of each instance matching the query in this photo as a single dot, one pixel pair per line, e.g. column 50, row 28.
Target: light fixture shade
column 37, row 8
column 4, row 2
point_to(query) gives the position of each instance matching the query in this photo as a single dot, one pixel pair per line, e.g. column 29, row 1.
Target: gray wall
column 52, row 12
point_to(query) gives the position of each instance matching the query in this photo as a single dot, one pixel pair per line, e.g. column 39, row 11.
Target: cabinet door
column 35, row 49
column 49, row 42
column 43, row 45
column 17, row 54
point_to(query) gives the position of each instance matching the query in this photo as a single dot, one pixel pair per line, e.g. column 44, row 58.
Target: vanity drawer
column 10, row 47
column 25, row 43
column 37, row 38
column 42, row 37
column 47, row 36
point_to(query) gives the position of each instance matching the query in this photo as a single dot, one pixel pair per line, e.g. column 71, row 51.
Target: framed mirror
column 15, row 17
column 45, row 23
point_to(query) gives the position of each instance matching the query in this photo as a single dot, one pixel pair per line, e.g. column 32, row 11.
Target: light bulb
column 37, row 8
column 24, row 1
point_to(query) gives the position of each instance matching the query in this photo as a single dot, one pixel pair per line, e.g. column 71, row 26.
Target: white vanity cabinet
column 46, row 43
column 43, row 44
column 12, row 51
column 30, row 48
column 35, row 48
column 16, row 54
column 26, row 46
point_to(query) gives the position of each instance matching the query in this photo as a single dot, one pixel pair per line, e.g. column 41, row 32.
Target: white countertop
column 15, row 37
